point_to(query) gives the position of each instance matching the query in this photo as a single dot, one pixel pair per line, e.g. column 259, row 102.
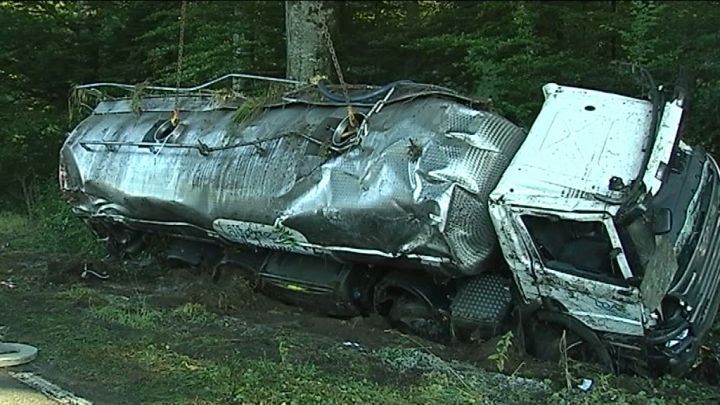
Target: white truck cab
column 586, row 230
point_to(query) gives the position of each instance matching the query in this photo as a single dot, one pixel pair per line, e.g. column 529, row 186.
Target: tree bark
column 308, row 55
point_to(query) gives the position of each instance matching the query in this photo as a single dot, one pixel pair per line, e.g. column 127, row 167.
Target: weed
column 80, row 99
column 137, row 95
column 137, row 316
column 57, row 229
column 248, row 110
column 224, row 96
column 439, row 387
column 51, row 227
column 283, row 348
column 193, row 312
column 564, row 359
column 11, row 222
column 253, row 106
column 83, row 295
column 17, row 231
column 414, row 151
column 502, row 351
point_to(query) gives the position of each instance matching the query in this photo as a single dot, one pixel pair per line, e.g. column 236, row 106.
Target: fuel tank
column 401, row 177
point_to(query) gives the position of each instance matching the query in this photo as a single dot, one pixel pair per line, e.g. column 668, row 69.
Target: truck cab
column 609, row 223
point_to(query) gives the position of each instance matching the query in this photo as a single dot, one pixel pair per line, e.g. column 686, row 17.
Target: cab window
column 575, row 247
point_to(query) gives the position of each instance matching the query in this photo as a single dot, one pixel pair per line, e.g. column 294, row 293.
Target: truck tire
column 544, row 334
column 411, row 315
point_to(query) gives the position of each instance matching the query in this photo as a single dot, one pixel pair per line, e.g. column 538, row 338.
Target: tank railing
column 131, row 87
column 204, row 149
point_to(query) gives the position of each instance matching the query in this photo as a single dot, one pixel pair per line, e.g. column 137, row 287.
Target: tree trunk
column 308, row 55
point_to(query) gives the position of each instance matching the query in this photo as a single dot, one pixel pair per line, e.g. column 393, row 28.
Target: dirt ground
column 150, row 334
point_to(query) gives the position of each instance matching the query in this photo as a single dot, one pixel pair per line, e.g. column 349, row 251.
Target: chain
column 176, row 113
column 338, row 71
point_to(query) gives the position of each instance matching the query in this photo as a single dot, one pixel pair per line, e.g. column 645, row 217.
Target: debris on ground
column 87, row 273
column 15, row 354
column 49, row 389
column 470, row 376
column 585, row 385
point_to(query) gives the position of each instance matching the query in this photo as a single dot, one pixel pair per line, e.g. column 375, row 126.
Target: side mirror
column 662, row 221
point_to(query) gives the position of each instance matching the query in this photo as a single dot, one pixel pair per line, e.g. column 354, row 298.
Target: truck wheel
column 411, row 315
column 544, row 339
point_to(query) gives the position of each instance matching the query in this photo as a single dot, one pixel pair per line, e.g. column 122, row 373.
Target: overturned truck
column 408, row 200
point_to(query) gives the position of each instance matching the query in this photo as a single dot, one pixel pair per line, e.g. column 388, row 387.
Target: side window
column 583, row 248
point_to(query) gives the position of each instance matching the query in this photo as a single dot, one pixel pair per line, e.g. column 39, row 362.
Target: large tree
column 306, row 25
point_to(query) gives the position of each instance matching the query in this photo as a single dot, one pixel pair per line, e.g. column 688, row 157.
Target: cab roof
column 579, row 141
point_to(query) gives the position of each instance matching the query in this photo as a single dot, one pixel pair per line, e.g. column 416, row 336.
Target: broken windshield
column 651, row 258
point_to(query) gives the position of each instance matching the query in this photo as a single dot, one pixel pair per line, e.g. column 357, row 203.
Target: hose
column 325, row 91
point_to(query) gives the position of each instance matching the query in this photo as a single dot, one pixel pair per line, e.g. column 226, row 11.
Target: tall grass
column 50, row 227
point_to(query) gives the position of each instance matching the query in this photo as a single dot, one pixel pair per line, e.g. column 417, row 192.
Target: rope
column 338, row 71
column 175, row 120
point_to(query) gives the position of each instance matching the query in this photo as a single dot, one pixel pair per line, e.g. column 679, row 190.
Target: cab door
column 579, row 263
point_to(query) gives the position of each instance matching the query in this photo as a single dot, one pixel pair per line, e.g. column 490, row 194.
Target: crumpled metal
column 412, row 191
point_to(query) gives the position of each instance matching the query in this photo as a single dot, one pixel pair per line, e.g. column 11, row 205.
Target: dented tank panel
column 411, row 185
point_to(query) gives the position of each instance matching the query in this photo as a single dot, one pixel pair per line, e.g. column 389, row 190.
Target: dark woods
column 504, row 51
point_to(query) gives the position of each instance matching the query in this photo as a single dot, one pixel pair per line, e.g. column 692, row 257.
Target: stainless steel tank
column 409, row 186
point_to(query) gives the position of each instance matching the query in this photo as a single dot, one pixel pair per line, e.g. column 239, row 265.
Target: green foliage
column 221, row 37
column 194, row 312
column 501, row 50
column 137, row 96
column 136, row 316
column 82, row 295
column 51, row 227
column 58, row 229
column 640, row 41
column 255, row 104
column 502, row 351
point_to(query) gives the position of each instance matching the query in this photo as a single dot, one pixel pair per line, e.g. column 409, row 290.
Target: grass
column 195, row 313
column 58, row 229
column 51, row 227
column 14, row 231
column 81, row 295
column 137, row 316
column 133, row 352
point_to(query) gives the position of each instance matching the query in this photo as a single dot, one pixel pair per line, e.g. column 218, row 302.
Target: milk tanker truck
column 599, row 223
